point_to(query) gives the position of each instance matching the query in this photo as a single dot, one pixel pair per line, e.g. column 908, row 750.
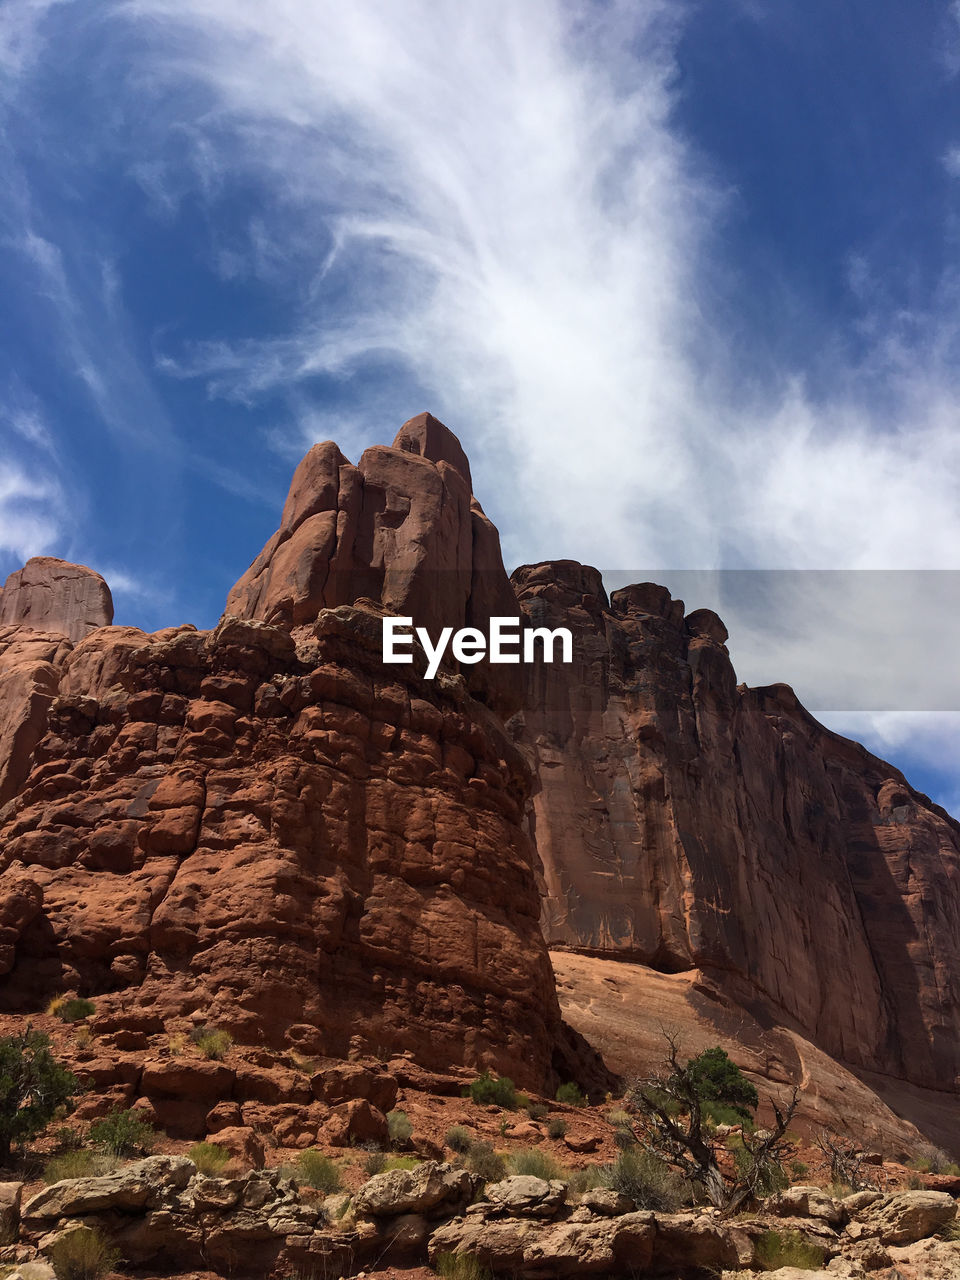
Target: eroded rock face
column 401, row 528
column 54, row 596
column 300, row 844
column 688, row 823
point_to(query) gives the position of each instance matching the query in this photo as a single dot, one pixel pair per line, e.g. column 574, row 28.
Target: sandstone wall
column 686, row 822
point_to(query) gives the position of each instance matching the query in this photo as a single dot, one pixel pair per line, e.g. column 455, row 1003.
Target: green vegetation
column 399, row 1128
column 33, row 1088
column 212, row 1042
column 719, row 1083
column 571, row 1094
column 401, row 1162
column 123, row 1133
column 537, row 1110
column 799, row 1170
column 766, row 1175
column 460, row 1266
column 556, row 1128
column 489, row 1090
column 78, row 1163
column 648, row 1181
column 536, row 1163
column 459, row 1139
column 83, row 1254
column 318, row 1170
column 624, row 1137
column 75, row 1010
column 373, row 1162
column 775, row 1249
column 620, row 1119
column 209, row 1158
column 483, row 1160
column 581, row 1180
column 677, row 1112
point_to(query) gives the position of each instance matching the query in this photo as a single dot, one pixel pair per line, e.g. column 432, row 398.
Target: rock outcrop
column 267, row 828
column 53, row 595
column 689, row 823
column 402, row 528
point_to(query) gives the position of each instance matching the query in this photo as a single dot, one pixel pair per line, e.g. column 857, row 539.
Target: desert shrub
column 537, row 1110
column 81, row 1162
column 775, row 1249
column 581, row 1180
column 767, row 1177
column 556, row 1127
column 483, row 1160
column 620, row 1119
column 75, row 1010
column 83, row 1038
column 68, row 1139
column 460, row 1266
column 624, row 1137
column 33, row 1087
column 318, row 1170
column 492, row 1090
column 799, row 1170
column 123, row 1133
column 399, row 1127
column 648, row 1181
column 212, row 1042
column 459, row 1139
column 915, row 1182
column 931, row 1159
column 536, row 1163
column 401, row 1162
column 83, row 1254
column 209, row 1158
column 571, row 1094
column 373, row 1163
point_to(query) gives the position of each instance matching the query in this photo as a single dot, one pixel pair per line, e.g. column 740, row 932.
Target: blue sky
column 682, row 276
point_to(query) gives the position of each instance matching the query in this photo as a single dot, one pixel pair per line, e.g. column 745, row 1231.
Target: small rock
column 609, row 1203
column 527, row 1196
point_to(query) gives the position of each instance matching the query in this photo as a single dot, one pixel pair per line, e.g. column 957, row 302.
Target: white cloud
column 490, row 205
column 500, row 202
column 30, row 512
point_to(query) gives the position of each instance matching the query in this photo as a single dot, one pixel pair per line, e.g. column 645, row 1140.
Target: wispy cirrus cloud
column 492, row 210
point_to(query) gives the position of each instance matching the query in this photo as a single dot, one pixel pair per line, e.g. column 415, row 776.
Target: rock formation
column 693, row 825
column 52, row 595
column 264, row 827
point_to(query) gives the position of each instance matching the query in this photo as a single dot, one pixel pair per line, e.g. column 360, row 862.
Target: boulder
column 527, row 1196
column 136, row 1187
column 433, row 1189
column 354, row 1123
column 349, row 1080
column 609, row 1204
column 621, row 1246
column 806, row 1202
column 11, row 1194
column 245, row 1147
column 909, row 1216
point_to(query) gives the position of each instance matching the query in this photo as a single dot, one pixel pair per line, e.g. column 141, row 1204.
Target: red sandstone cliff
column 264, row 825
column 688, row 823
